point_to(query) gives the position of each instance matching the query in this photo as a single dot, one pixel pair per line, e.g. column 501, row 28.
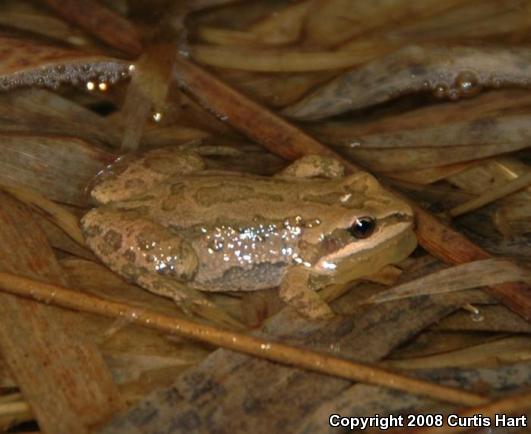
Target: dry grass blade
column 430, row 174
column 439, row 145
column 447, row 72
column 505, row 351
column 489, row 104
column 492, row 195
column 59, row 168
column 470, row 275
column 287, row 141
column 495, row 318
column 68, row 222
column 277, row 60
column 28, row 63
column 302, row 358
column 283, row 27
column 63, row 377
column 485, row 130
column 452, row 247
column 332, row 22
column 28, row 110
column 30, row 17
column 101, row 22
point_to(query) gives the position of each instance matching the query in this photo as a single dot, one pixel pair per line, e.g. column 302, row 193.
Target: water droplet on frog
column 90, row 85
column 157, row 116
column 102, row 86
column 467, row 84
column 216, row 245
column 312, row 223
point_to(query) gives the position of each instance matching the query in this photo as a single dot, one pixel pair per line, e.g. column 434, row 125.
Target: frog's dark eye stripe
column 363, row 227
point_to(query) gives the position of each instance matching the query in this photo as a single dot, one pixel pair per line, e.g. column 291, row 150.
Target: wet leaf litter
column 431, row 97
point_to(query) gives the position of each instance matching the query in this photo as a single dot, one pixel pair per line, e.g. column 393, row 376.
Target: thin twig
column 493, row 194
column 266, row 349
column 101, row 22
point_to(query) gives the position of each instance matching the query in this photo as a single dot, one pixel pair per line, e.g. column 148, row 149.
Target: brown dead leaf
column 60, row 168
column 470, row 275
column 448, row 72
column 25, row 62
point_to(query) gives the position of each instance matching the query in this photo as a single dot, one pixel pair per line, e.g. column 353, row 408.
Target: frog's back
column 209, row 197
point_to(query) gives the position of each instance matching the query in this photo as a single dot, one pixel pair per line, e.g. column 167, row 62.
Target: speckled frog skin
column 168, row 224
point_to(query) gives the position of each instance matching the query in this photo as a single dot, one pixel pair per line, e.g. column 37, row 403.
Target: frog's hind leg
column 189, row 300
column 294, row 290
column 149, row 255
column 314, row 166
column 145, row 172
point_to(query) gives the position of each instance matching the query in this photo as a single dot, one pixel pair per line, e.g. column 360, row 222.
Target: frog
column 177, row 228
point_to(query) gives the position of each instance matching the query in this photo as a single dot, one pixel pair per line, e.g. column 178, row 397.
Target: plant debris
column 432, row 98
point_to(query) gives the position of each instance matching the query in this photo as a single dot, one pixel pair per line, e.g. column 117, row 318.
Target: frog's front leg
column 295, row 291
column 143, row 252
column 314, row 166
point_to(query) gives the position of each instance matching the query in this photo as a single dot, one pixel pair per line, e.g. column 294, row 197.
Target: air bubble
column 54, row 76
column 440, row 91
column 453, row 94
column 467, row 84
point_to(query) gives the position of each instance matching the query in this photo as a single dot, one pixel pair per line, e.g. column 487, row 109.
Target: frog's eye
column 363, row 227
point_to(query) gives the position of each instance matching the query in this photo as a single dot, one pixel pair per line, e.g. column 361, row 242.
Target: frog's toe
column 184, row 304
column 308, row 303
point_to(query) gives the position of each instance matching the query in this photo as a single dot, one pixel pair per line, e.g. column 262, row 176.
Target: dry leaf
column 457, row 278
column 453, row 73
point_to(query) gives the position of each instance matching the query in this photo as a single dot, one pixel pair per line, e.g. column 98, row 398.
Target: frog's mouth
column 394, row 242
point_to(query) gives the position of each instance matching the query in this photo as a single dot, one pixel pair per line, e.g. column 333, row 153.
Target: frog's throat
column 369, row 261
